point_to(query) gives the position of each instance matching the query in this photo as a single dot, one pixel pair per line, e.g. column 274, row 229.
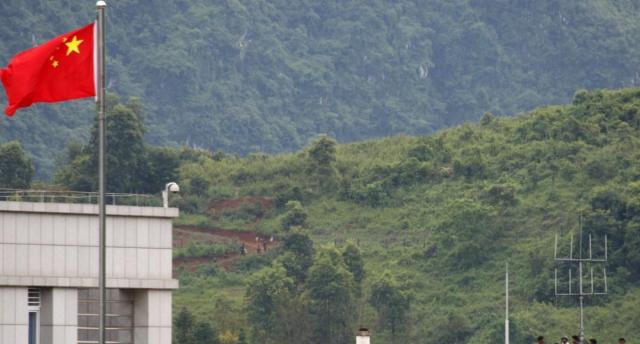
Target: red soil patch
column 253, row 242
column 265, row 203
column 183, row 235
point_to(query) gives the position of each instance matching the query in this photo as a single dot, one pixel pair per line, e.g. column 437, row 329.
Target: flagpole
column 100, row 84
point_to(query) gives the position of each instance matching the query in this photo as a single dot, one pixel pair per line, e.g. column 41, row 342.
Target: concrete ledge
column 21, row 281
column 87, row 209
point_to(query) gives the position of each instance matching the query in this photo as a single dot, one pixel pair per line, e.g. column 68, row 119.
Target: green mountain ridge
column 266, row 76
column 442, row 215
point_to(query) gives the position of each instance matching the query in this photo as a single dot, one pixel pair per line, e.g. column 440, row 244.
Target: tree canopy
column 266, row 76
column 16, row 167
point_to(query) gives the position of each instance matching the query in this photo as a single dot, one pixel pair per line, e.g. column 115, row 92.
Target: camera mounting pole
column 170, row 187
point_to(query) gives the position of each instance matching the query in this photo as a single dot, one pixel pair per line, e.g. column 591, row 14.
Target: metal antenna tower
column 581, row 261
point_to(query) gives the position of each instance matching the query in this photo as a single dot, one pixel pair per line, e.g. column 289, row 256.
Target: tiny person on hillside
column 540, row 340
column 243, row 250
column 575, row 340
column 622, row 341
column 564, row 340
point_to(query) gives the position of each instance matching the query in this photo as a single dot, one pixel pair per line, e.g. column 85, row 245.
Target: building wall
column 152, row 321
column 363, row 340
column 14, row 323
column 119, row 323
column 58, row 315
column 51, row 245
column 54, row 247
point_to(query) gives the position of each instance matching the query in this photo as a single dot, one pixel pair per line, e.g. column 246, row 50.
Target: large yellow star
column 73, row 45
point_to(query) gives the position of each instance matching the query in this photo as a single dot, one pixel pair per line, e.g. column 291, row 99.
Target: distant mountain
column 257, row 75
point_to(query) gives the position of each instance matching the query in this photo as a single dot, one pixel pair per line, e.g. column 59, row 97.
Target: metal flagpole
column 506, row 313
column 100, row 83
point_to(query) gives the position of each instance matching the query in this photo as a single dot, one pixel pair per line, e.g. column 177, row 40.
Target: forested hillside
column 254, row 75
column 410, row 236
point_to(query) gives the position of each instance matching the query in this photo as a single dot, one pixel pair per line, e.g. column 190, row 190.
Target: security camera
column 170, row 187
column 173, row 187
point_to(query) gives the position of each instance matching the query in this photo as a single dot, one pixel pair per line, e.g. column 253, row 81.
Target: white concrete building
column 49, row 273
column 363, row 336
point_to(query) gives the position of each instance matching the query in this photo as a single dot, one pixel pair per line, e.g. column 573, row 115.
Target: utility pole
column 506, row 311
column 581, row 261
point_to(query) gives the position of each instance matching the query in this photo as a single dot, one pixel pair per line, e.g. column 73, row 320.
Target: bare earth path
column 183, row 235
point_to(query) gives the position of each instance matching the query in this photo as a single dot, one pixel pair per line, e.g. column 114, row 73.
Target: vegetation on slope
column 434, row 220
column 408, row 235
column 266, row 76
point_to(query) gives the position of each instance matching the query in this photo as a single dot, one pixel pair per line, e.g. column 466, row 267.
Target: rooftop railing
column 59, row 196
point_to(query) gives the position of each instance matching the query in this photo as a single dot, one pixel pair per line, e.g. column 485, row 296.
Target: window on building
column 33, row 304
column 119, row 329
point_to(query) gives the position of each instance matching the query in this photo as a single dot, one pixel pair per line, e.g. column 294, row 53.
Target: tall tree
column 322, row 157
column 183, row 327
column 331, row 290
column 125, row 157
column 267, row 291
column 354, row 262
column 131, row 165
column 392, row 304
column 298, row 255
column 203, row 333
column 295, row 216
column 16, row 167
column 242, row 337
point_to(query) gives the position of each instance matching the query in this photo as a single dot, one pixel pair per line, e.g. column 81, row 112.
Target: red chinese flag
column 61, row 69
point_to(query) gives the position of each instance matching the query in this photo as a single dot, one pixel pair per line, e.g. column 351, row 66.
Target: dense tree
column 267, row 76
column 125, row 149
column 392, row 304
column 298, row 255
column 203, row 333
column 355, row 264
column 242, row 337
column 322, row 153
column 268, row 291
column 331, row 291
column 183, row 327
column 161, row 168
column 453, row 328
column 294, row 320
column 131, row 165
column 295, row 216
column 471, row 222
column 16, row 167
column 322, row 157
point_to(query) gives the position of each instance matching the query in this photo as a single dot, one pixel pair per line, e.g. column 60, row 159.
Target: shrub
column 295, row 216
column 502, row 194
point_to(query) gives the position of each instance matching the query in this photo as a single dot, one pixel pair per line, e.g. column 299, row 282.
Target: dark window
column 119, row 316
column 33, row 327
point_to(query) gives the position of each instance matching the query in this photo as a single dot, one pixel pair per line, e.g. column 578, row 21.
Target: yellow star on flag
column 55, row 64
column 73, row 45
